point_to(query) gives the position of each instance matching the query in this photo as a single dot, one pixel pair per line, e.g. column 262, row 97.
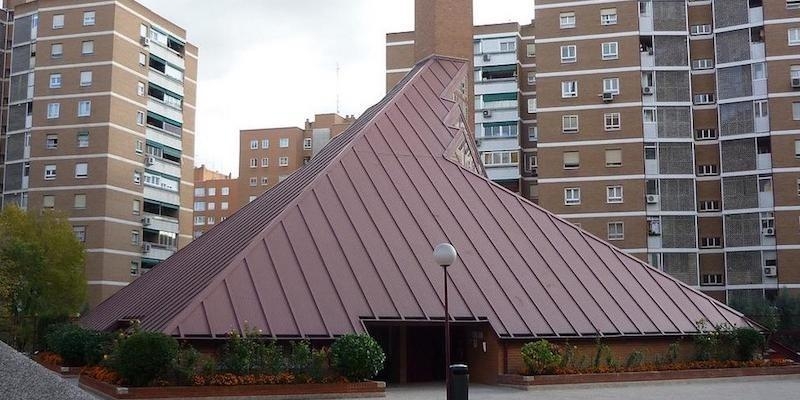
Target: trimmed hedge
column 144, row 356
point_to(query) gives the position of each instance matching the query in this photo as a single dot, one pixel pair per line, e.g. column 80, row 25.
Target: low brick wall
column 529, row 381
column 306, row 391
column 70, row 372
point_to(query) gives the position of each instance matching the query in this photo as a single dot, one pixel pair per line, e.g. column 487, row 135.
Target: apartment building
column 671, row 129
column 101, row 126
column 268, row 156
column 504, row 87
column 216, row 197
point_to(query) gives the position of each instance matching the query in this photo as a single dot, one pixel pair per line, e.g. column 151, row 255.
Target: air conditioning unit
column 149, row 160
column 487, row 57
column 647, row 90
column 796, row 82
column 653, row 198
column 145, row 41
column 770, row 270
column 487, row 113
column 146, row 221
column 146, row 247
column 608, row 96
column 768, row 231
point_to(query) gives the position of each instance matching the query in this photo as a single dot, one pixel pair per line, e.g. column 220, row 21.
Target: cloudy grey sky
column 270, row 63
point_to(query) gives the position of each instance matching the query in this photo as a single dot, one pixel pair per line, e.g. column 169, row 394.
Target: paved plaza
column 748, row 388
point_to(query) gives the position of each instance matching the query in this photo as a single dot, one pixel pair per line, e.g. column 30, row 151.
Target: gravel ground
column 23, row 379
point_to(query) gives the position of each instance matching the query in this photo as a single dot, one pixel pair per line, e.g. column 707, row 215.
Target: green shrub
column 268, row 358
column 604, row 355
column 187, row 364
column 320, row 364
column 540, row 357
column 248, row 354
column 144, row 356
column 673, row 352
column 568, row 356
column 79, row 346
column 635, row 359
column 300, row 356
column 357, row 357
column 749, row 343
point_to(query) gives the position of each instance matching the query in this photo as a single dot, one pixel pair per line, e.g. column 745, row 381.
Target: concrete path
column 749, row 388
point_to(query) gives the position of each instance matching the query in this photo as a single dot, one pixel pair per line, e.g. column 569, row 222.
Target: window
column 284, row 142
column 710, row 242
column 212, row 206
column 616, row 231
column 712, row 279
column 608, row 16
column 797, row 149
column 572, row 159
column 135, row 238
column 55, row 81
column 265, row 162
column 84, row 108
column 533, row 133
column 199, row 192
column 140, row 118
column 79, row 201
column 136, row 207
column 569, row 53
column 199, row 205
column 704, row 63
column 49, row 172
column 52, row 142
column 530, row 50
column 140, row 88
column 48, row 201
column 792, row 4
column 142, row 59
column 566, row 20
column 531, row 162
column 83, row 139
column 614, row 158
column 87, row 47
column 572, row 196
column 703, row 29
column 134, row 268
column 612, row 121
column 569, row 89
column 709, row 205
column 58, row 21
column 767, row 220
column 531, row 78
column 650, row 153
column 226, row 191
column 707, row 170
column 211, row 221
column 613, row 194
column 264, row 143
column 253, row 181
column 253, row 144
column 224, row 205
column 705, row 134
column 796, row 111
column 649, row 115
column 569, row 123
column 212, row 191
column 283, row 161
column 307, row 144
column 765, row 184
column 143, row 30
column 53, row 110
column 794, row 36
column 137, row 178
column 88, row 18
column 264, row 181
column 56, row 50
column 86, row 78
column 610, row 50
column 500, row 158
column 646, row 8
column 509, row 45
column 759, row 70
column 532, row 106
column 761, row 109
column 611, row 85
column 80, row 233
column 81, row 170
column 199, row 220
column 253, row 162
column 502, row 129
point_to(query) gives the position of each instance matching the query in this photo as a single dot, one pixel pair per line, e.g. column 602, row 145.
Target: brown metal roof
column 349, row 238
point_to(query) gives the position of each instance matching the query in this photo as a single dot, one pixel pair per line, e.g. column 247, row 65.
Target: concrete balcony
column 503, row 173
column 496, row 105
column 164, row 53
column 757, row 51
column 497, row 143
column 759, row 87
column 163, row 137
column 761, row 124
column 645, row 24
column 647, row 60
column 156, row 251
column 159, row 223
column 764, row 161
column 490, row 59
column 164, row 196
column 164, row 110
column 651, row 167
column 497, row 116
column 165, row 82
column 654, row 242
column 163, row 166
column 756, row 15
column 650, row 130
column 496, row 86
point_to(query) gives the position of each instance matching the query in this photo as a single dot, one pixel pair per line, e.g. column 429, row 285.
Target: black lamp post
column 445, row 255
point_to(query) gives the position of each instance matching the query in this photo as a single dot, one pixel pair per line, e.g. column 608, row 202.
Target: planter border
column 527, row 382
column 66, row 372
column 301, row 390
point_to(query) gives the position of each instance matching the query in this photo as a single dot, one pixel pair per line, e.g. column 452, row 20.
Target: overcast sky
column 272, row 63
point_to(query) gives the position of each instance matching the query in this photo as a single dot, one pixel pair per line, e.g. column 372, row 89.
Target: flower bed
column 54, row 362
column 276, row 391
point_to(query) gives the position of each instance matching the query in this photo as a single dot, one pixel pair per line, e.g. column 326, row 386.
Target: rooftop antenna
column 337, row 87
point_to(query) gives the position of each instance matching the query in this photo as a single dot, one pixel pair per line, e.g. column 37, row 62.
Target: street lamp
column 445, row 255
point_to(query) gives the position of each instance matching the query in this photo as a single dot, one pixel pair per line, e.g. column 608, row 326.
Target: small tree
column 357, row 357
column 144, row 356
column 41, row 274
column 540, row 357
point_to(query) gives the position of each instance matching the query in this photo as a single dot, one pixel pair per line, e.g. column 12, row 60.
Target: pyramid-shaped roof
column 348, row 238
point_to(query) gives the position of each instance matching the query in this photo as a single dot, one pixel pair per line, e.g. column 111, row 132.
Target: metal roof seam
column 259, row 297
column 240, row 324
column 274, row 270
